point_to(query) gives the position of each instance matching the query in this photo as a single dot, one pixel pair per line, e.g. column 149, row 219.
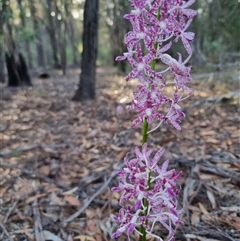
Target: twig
column 216, row 99
column 29, row 148
column 219, row 234
column 209, row 167
column 185, row 199
column 36, row 175
column 10, row 210
column 5, row 231
column 103, row 202
column 37, row 223
column 75, row 215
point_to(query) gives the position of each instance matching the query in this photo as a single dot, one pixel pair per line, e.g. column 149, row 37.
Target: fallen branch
column 219, row 234
column 215, row 169
column 5, row 231
column 37, row 223
column 11, row 210
column 29, row 148
column 36, row 176
column 75, row 215
column 103, row 202
column 217, row 99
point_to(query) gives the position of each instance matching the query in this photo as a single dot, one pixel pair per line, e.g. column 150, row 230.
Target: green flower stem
column 153, row 64
column 145, row 130
column 145, row 202
column 143, row 237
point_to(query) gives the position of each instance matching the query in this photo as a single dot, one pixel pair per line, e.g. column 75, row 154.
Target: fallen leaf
column 231, row 221
column 52, row 216
column 92, row 227
column 193, row 236
column 72, row 200
column 208, row 133
column 204, row 211
column 195, row 219
column 85, row 238
column 236, row 223
column 204, row 176
column 231, row 209
column 56, row 199
column 70, row 191
column 116, row 148
column 50, row 236
column 3, row 190
column 29, row 235
column 90, row 213
column 193, row 208
column 32, row 199
column 211, row 199
column 45, row 169
column 70, row 237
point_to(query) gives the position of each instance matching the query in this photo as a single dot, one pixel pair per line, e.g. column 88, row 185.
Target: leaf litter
column 58, row 159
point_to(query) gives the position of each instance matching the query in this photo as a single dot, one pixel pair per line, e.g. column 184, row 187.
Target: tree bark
column 27, row 44
column 1, row 46
column 71, row 33
column 1, row 64
column 52, row 34
column 86, row 88
column 61, row 26
column 198, row 58
column 16, row 66
column 38, row 37
column 63, row 48
column 17, row 71
column 118, row 30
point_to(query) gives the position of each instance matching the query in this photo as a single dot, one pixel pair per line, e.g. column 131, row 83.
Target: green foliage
column 68, row 54
column 26, row 34
column 104, row 56
column 222, row 25
column 2, row 36
column 217, row 24
column 16, row 153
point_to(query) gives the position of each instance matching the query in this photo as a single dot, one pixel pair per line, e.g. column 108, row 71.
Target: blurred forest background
column 48, row 33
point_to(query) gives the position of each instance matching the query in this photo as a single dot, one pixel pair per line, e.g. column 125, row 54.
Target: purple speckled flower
column 148, row 190
column 156, row 25
column 161, row 195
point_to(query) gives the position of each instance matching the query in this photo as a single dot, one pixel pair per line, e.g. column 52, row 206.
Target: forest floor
column 58, row 159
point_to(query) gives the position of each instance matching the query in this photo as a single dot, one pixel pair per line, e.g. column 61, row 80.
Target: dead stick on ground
column 37, row 223
column 217, row 99
column 5, row 231
column 29, row 148
column 209, row 167
column 10, row 210
column 75, row 215
column 36, row 175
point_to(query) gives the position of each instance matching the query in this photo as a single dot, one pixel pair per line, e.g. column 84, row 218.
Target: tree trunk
column 71, row 34
column 38, row 37
column 198, row 58
column 27, row 44
column 1, row 47
column 71, row 31
column 16, row 66
column 63, row 48
column 61, row 24
column 1, row 64
column 17, row 71
column 52, row 34
column 117, row 31
column 86, row 88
